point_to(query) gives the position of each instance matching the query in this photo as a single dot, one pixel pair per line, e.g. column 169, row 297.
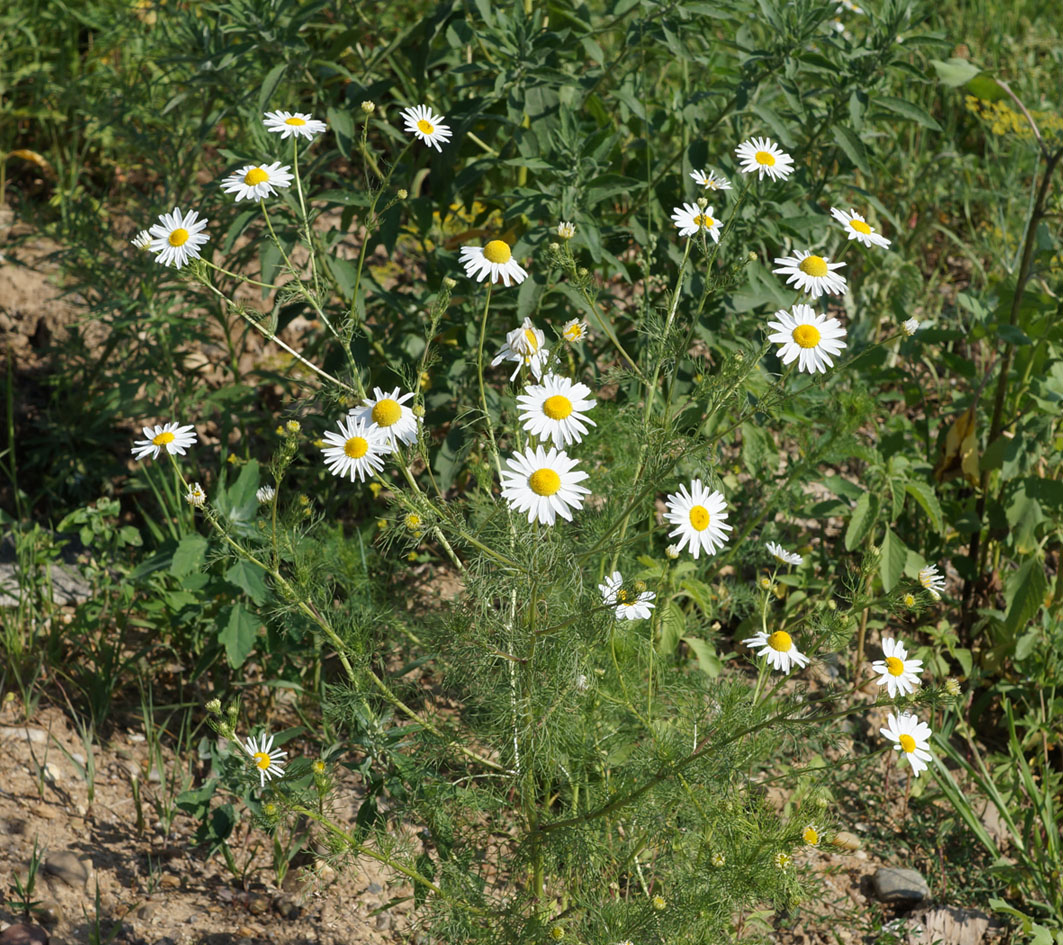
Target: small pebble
column 21, row 933
column 894, row 884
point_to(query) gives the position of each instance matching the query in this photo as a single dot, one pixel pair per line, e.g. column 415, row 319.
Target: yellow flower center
column 531, row 341
column 780, row 640
column 262, row 760
column 815, row 266
column 907, row 743
column 425, row 127
column 807, row 336
column 860, row 226
column 909, row 600
column 811, row 836
column 703, row 220
column 557, row 407
column 894, row 666
column 255, row 176
column 544, row 482
column 574, row 332
column 179, row 236
column 294, row 120
column 163, row 438
column 497, row 252
column 356, row 447
column 386, row 412
column 765, row 157
column 699, row 518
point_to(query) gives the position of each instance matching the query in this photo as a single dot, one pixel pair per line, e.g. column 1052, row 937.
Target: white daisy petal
column 810, row 339
column 932, row 581
column 553, row 409
column 781, row 554
column 390, row 414
column 630, row 603
column 177, row 237
column 266, row 759
column 779, row 649
column 812, row 274
column 357, row 450
column 765, row 157
column 494, row 260
column 710, row 181
column 172, row 437
column 700, row 518
column 543, row 484
column 422, row 122
column 899, row 673
column 690, row 218
column 257, row 181
column 298, row 124
column 525, row 346
column 911, row 737
column 857, row 228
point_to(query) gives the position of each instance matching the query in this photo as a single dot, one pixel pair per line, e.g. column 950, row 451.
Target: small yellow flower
column 557, row 933
column 318, row 766
column 811, row 835
column 293, row 427
column 718, row 860
column 952, row 687
column 375, row 488
column 413, row 521
column 659, row 903
column 783, row 860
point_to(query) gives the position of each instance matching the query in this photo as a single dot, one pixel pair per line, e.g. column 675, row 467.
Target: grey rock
column 49, row 913
column 258, row 904
column 383, row 922
column 66, row 866
column 375, row 888
column 287, row 907
column 35, row 736
column 21, row 933
column 894, row 884
column 846, row 840
column 68, row 585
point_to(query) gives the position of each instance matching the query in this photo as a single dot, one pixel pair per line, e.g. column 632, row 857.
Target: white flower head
column 779, row 648
column 297, row 124
column 142, row 240
column 700, row 518
column 265, row 757
column 690, row 218
column 195, row 496
column 810, row 339
column 265, row 493
column 710, row 181
column 765, row 157
column 525, row 346
column 812, row 274
column 566, row 230
column 177, row 237
column 899, row 673
column 171, row 437
column 389, row 412
column 357, row 450
column 494, row 260
column 553, row 410
column 422, row 122
column 257, row 181
column 910, row 326
column 858, row 228
column 543, row 484
column 575, row 329
column 912, row 737
column 781, row 554
column 672, row 552
column 630, row 603
column 932, row 581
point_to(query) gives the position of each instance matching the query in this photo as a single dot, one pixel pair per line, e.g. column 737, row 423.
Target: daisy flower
column 700, row 518
column 779, row 648
column 389, row 412
column 783, row 860
column 494, row 260
column 257, row 181
column 265, row 757
column 287, row 124
column 426, row 125
column 932, row 581
column 910, row 326
column 781, row 554
column 575, row 329
column 710, row 181
column 553, row 409
column 525, row 346
column 142, row 240
column 265, row 493
column 858, row 228
column 811, row 835
column 176, row 238
column 196, row 497
column 543, row 484
column 566, row 230
column 899, row 673
column 806, row 337
column 357, row 450
column 765, row 157
column 630, row 604
column 812, row 274
column 912, row 737
column 690, row 218
column 171, row 437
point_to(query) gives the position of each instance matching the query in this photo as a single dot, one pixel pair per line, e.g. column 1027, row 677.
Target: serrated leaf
column 189, row 556
column 909, row 110
column 238, row 635
column 864, row 516
column 892, row 556
column 1025, row 593
column 852, row 146
column 927, row 498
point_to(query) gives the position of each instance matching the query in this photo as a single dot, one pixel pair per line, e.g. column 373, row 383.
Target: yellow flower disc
column 907, row 743
column 706, row 221
column 815, row 266
column 780, row 641
column 544, row 482
column 807, row 336
column 294, row 120
column 255, row 176
column 386, row 412
column 356, row 447
column 894, row 666
column 179, row 236
column 810, row 836
column 497, row 252
column 262, row 760
column 699, row 518
column 765, row 157
column 163, row 438
column 860, row 226
column 530, row 339
column 557, row 407
column 425, row 127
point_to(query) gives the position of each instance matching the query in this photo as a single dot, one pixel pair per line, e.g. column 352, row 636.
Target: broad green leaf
column 892, row 556
column 955, row 72
column 852, row 146
column 864, row 516
column 673, row 626
column 250, row 578
column 907, row 110
column 708, row 662
column 927, row 498
column 269, row 85
column 189, row 556
column 1025, row 593
column 238, row 635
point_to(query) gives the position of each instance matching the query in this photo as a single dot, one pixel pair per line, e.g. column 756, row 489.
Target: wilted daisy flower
column 195, row 496
column 390, row 413
column 806, row 337
column 659, row 903
column 932, row 581
column 257, row 181
column 858, row 228
column 672, row 552
column 811, row 835
column 899, row 673
column 265, row 757
column 357, row 450
column 912, row 737
column 690, row 218
column 566, row 230
column 812, row 274
column 266, row 493
column 552, row 410
column 176, row 238
column 783, row 860
column 171, row 437
column 543, row 484
column 780, row 650
column 494, row 260
column 426, row 125
column 781, row 554
column 630, row 604
column 765, row 157
column 700, row 518
column 525, row 346
column 710, row 181
column 142, row 240
column 576, row 329
column 910, row 326
column 287, row 124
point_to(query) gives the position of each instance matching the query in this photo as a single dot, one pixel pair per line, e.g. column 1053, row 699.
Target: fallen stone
column 287, row 907
column 49, row 913
column 846, row 840
column 894, row 884
column 23, row 934
column 66, row 866
column 35, row 736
